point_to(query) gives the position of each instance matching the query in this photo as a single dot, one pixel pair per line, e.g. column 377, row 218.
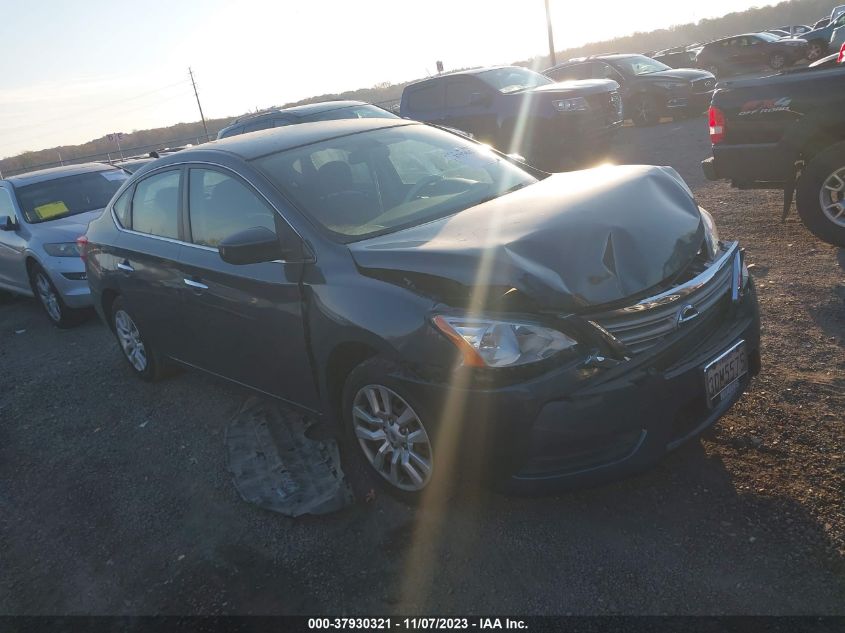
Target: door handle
column 125, row 266
column 195, row 284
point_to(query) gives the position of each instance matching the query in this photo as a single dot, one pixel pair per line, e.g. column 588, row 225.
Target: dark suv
column 452, row 309
column 555, row 126
column 325, row 111
column 750, row 52
column 649, row 88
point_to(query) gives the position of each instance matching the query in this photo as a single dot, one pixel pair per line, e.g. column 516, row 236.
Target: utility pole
column 551, row 35
column 202, row 116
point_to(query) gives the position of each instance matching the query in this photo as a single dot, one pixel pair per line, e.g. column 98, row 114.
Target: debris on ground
column 276, row 466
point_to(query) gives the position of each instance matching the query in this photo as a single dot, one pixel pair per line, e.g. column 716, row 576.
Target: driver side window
column 220, row 206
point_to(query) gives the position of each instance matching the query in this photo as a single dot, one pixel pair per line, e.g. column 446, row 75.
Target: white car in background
column 42, row 213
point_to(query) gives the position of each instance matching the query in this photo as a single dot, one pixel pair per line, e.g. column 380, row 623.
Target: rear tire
column 821, row 195
column 777, row 61
column 142, row 358
column 51, row 301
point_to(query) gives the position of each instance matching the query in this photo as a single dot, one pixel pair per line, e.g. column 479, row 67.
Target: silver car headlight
column 490, row 343
column 62, row 249
column 711, row 233
column 574, row 104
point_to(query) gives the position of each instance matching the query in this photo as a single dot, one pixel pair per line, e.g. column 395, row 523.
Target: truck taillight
column 717, row 125
column 841, row 56
column 82, row 245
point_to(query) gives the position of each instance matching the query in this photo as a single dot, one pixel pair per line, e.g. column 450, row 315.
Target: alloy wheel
column 777, row 61
column 392, row 437
column 832, row 197
column 130, row 340
column 48, row 297
column 814, row 51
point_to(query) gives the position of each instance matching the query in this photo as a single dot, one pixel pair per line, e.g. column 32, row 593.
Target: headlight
column 488, row 343
column 64, row 249
column 711, row 233
column 571, row 105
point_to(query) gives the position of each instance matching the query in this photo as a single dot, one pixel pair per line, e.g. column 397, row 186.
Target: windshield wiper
column 516, row 187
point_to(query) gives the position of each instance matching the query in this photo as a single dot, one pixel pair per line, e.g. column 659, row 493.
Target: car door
column 470, row 107
column 245, row 322
column 13, row 274
column 146, row 258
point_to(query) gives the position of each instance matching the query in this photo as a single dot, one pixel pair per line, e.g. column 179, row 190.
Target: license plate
column 722, row 374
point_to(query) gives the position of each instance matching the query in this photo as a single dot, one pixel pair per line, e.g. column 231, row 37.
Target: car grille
column 700, row 288
column 703, row 85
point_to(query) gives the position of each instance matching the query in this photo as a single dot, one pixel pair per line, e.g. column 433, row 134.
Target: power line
column 87, row 111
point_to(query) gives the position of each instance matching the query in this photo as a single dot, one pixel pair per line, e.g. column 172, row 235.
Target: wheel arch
column 341, row 360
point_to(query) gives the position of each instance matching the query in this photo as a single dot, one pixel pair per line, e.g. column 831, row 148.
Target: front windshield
column 640, row 65
column 380, row 181
column 69, row 195
column 363, row 111
column 513, row 79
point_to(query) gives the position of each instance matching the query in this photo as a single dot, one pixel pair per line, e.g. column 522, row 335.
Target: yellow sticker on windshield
column 51, row 210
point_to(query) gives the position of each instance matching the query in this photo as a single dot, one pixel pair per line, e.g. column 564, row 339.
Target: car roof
column 458, row 73
column 263, row 142
column 42, row 175
column 300, row 110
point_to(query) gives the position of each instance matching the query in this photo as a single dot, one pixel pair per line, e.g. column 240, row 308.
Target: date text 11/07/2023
column 417, row 623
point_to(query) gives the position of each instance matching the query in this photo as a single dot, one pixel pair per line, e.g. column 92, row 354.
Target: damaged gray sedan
column 456, row 313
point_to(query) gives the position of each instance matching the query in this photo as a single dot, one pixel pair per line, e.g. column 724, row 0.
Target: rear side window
column 426, row 98
column 220, row 206
column 155, row 205
column 459, row 93
column 121, row 208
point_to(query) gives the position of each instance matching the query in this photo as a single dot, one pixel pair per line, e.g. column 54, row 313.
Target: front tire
column 644, row 111
column 142, row 358
column 388, row 429
column 815, row 50
column 821, row 195
column 54, row 306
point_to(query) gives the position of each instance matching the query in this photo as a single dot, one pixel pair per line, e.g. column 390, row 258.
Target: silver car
column 42, row 213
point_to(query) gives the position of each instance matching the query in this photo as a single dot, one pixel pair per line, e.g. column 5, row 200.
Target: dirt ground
column 114, row 498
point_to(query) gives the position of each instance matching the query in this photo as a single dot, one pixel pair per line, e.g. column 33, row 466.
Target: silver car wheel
column 130, row 340
column 392, row 437
column 48, row 297
column 832, row 197
column 777, row 61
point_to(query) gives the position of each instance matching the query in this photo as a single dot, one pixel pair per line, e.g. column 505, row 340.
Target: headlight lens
column 64, row 249
column 711, row 233
column 571, row 105
column 489, row 343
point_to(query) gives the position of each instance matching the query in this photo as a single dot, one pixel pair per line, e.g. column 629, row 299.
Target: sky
column 75, row 71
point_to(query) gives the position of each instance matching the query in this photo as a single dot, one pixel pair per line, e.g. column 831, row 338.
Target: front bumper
column 694, row 102
column 69, row 277
column 559, row 431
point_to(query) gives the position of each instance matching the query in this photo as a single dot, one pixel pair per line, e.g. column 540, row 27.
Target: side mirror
column 259, row 244
column 7, row 223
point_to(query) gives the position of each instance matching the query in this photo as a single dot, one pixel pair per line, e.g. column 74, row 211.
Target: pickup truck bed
column 782, row 132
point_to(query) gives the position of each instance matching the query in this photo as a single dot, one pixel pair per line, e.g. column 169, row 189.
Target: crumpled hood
column 570, row 242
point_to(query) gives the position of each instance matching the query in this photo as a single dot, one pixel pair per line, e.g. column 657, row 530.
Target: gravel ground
column 114, row 498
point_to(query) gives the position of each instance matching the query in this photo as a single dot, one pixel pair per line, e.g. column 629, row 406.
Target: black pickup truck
column 786, row 132
column 556, row 126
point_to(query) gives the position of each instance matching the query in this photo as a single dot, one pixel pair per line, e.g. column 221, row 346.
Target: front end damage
column 634, row 273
